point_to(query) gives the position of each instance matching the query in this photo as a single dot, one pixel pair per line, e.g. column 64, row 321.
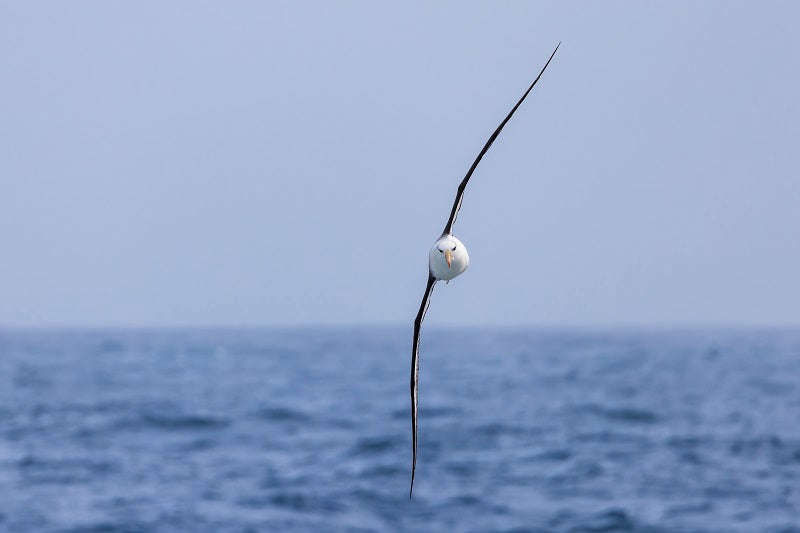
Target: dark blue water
column 308, row 430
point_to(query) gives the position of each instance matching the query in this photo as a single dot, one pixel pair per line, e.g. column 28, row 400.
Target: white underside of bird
column 448, row 258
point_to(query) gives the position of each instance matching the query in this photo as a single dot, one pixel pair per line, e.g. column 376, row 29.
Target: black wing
column 423, row 307
column 463, row 184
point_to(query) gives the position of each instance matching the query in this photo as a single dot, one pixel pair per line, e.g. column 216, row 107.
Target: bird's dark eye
column 441, row 251
column 454, row 247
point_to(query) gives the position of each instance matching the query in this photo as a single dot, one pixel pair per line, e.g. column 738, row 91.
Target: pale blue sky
column 272, row 163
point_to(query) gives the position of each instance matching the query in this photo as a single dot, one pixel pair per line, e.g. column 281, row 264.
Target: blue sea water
column 308, row 430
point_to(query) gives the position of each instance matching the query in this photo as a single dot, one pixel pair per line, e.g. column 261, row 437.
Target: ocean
column 308, row 429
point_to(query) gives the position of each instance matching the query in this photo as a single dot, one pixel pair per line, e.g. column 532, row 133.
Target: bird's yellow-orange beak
column 448, row 256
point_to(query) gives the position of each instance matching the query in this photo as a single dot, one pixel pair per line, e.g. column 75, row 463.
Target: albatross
column 447, row 259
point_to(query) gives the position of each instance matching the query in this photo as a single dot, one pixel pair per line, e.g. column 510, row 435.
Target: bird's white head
column 448, row 258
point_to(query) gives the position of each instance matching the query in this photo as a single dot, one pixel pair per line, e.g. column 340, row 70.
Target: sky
column 291, row 163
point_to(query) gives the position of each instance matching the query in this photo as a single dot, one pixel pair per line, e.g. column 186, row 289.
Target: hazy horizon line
column 619, row 325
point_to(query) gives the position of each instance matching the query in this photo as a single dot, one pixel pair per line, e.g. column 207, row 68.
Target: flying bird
column 447, row 259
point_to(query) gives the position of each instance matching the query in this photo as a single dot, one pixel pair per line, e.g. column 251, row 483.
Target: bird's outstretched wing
column 423, row 307
column 463, row 184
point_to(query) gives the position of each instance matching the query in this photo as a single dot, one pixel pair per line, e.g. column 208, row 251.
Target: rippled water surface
column 308, row 430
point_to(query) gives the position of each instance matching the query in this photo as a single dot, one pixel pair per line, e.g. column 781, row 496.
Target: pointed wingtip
column 541, row 72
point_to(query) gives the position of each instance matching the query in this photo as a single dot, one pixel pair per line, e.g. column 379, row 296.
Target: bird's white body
column 448, row 258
